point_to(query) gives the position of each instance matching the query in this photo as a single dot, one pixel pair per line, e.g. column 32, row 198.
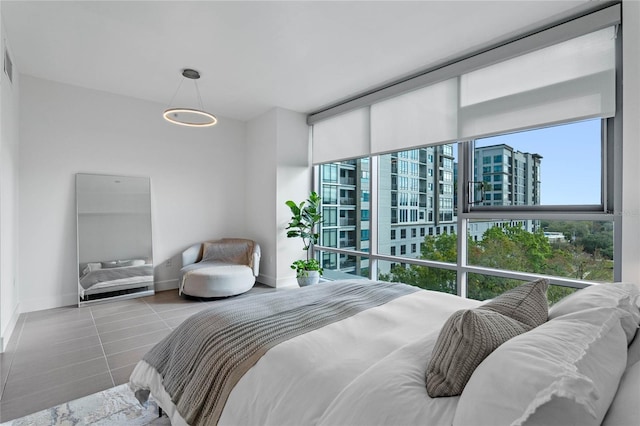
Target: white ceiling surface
column 253, row 56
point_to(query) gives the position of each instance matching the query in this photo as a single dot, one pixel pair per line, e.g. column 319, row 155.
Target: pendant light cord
column 175, row 93
column 198, row 93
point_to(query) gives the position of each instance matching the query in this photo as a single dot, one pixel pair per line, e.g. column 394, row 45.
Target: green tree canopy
column 510, row 248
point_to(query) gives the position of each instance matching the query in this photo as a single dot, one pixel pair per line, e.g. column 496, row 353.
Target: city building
column 417, row 199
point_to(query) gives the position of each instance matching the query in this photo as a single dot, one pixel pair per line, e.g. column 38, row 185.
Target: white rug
column 112, row 407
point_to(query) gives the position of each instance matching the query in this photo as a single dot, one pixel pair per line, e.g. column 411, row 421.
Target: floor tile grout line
column 130, row 349
column 58, row 341
column 161, row 319
column 106, row 333
column 151, row 321
column 106, row 361
column 117, row 314
column 171, row 298
column 59, row 383
column 13, row 356
column 57, row 386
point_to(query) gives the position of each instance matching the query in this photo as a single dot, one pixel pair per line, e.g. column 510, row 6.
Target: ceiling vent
column 8, row 65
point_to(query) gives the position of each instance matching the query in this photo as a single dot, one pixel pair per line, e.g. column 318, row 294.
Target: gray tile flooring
column 63, row 354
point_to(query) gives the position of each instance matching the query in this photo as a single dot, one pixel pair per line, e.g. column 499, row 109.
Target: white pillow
column 625, row 409
column 110, row 264
column 131, row 262
column 625, row 296
column 94, row 266
column 563, row 372
column 392, row 391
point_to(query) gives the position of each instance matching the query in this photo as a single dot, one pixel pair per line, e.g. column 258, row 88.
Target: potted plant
column 304, row 218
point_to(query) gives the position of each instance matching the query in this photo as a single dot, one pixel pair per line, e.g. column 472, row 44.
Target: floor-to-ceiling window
column 499, row 175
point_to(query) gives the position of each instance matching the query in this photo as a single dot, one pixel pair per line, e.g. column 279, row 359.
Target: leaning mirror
column 115, row 259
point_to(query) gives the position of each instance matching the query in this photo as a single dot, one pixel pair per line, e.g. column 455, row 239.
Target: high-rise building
column 505, row 177
column 511, row 178
column 345, row 208
column 416, row 198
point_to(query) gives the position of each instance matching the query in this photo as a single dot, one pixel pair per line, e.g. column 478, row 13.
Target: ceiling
column 253, row 56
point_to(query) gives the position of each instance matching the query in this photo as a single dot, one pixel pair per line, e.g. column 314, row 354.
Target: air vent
column 8, row 65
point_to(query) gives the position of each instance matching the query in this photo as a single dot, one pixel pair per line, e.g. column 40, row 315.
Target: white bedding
column 115, row 279
column 296, row 381
column 369, row 369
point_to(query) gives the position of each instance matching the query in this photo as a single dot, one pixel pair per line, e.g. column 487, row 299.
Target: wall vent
column 8, row 65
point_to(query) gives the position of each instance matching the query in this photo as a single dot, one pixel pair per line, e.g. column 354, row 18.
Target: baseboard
column 266, row 280
column 8, row 331
column 166, row 285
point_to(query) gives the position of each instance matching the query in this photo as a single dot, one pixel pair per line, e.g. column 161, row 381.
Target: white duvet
column 367, row 369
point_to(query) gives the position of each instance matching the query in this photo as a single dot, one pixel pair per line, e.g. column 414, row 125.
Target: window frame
column 611, row 174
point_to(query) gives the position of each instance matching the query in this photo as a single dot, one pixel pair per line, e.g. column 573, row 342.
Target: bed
column 97, row 278
column 359, row 352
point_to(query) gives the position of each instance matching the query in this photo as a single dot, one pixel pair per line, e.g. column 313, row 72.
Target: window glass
column 345, row 205
column 329, row 173
column 329, row 237
column 557, row 165
column 581, row 250
column 420, row 276
column 342, row 266
column 330, row 216
column 408, row 193
column 484, row 287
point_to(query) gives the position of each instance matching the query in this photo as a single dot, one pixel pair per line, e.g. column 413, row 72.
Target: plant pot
column 312, row 278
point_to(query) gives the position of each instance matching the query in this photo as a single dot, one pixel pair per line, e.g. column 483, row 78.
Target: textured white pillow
column 564, row 372
column 625, row 409
column 625, row 296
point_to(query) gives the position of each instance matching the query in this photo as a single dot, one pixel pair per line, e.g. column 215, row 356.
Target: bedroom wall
column 197, row 180
column 9, row 97
column 631, row 143
column 277, row 170
column 261, row 186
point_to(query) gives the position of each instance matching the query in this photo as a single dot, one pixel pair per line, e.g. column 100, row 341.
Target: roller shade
column 422, row 117
column 342, row 137
column 568, row 81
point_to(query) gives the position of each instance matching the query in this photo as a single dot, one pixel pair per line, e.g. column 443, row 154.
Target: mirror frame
column 118, row 264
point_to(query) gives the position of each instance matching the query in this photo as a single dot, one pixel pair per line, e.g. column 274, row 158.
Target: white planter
column 312, row 278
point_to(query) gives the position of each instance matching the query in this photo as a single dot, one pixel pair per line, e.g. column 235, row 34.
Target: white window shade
column 342, row 137
column 569, row 81
column 423, row 117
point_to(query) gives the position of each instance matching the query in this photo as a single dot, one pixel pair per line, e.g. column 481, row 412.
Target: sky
column 571, row 160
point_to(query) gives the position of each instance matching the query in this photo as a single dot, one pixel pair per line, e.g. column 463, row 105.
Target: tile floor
column 62, row 354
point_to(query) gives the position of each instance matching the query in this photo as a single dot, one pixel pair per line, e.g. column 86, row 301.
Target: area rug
column 111, row 407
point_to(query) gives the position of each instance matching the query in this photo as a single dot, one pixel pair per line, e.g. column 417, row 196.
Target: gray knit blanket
column 203, row 359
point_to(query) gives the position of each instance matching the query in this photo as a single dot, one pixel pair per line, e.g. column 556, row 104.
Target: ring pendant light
column 189, row 117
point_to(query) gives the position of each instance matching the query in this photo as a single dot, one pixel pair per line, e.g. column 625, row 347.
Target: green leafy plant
column 302, row 267
column 304, row 219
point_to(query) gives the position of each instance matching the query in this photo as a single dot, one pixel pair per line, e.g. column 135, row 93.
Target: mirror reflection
column 115, row 259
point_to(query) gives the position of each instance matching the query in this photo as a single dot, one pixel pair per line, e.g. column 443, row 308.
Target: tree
column 442, row 249
column 508, row 248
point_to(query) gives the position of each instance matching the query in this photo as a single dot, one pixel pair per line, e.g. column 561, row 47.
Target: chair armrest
column 255, row 260
column 191, row 255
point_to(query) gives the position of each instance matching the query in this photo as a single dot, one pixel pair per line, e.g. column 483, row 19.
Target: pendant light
column 188, row 116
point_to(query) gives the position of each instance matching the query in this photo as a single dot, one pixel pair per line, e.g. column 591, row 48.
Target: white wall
column 294, row 182
column 9, row 94
column 631, row 143
column 277, row 170
column 197, row 180
column 261, row 186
